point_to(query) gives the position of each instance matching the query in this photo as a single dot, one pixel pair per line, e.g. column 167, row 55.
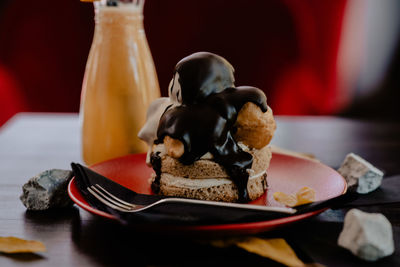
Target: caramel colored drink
column 119, row 84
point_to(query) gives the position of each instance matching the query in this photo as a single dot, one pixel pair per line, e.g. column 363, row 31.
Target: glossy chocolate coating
column 205, row 120
column 202, row 74
column 156, row 163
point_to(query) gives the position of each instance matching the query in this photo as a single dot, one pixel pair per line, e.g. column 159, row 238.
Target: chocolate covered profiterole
column 193, row 135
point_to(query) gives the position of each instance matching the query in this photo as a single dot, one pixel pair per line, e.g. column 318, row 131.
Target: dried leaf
column 305, row 195
column 288, row 200
column 275, row 249
column 16, row 245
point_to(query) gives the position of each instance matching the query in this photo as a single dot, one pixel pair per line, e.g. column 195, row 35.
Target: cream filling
column 161, row 148
column 177, row 181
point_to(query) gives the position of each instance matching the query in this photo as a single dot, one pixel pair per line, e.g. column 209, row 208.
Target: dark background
column 287, row 48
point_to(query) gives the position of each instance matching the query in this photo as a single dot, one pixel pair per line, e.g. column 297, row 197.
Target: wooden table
column 31, row 143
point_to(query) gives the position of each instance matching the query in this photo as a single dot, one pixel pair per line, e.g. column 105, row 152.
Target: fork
column 114, row 202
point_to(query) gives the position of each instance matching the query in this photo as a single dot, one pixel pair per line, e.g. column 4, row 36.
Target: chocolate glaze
column 202, row 74
column 155, row 161
column 205, row 120
column 207, row 127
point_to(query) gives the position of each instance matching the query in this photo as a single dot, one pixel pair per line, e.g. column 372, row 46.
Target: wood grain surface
column 33, row 142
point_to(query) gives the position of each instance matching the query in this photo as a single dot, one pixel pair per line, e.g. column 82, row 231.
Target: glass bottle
column 120, row 82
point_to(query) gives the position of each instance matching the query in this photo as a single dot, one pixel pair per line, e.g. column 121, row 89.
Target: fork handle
column 228, row 205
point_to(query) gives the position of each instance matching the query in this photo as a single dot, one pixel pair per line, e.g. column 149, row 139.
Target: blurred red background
column 288, row 48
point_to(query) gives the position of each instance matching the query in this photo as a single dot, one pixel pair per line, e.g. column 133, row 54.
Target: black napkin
column 333, row 203
column 164, row 214
column 86, row 177
column 183, row 213
column 387, row 193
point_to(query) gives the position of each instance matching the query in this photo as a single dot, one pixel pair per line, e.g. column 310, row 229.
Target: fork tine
column 122, row 202
column 106, row 202
column 100, row 194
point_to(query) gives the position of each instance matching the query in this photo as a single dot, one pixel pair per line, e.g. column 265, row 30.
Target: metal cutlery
column 114, row 202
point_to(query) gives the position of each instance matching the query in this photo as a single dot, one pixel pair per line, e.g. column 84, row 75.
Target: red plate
column 286, row 174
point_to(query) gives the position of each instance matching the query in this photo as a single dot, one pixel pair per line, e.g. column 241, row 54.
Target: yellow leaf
column 275, row 249
column 16, row 245
column 288, row 200
column 305, row 195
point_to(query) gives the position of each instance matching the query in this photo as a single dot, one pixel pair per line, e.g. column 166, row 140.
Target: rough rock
column 360, row 174
column 369, row 236
column 47, row 190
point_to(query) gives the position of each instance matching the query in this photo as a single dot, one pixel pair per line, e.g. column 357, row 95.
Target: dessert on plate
column 209, row 139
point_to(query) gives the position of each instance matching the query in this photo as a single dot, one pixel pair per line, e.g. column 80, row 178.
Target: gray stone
column 369, row 236
column 47, row 190
column 360, row 174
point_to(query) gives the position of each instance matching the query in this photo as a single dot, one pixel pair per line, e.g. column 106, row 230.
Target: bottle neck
column 125, row 18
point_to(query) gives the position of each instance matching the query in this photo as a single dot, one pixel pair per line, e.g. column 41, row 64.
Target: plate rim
column 238, row 228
